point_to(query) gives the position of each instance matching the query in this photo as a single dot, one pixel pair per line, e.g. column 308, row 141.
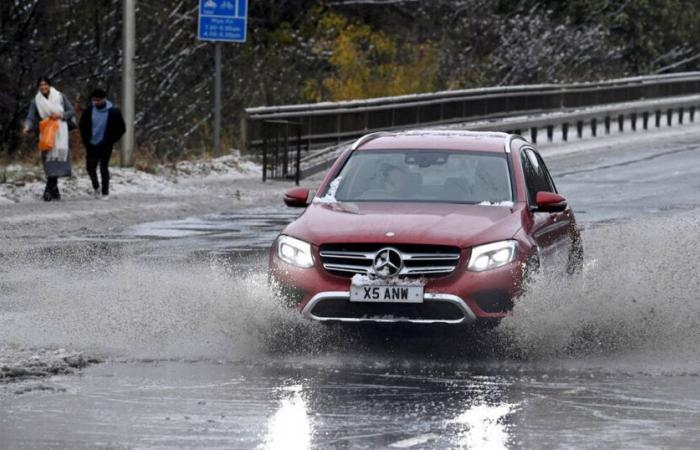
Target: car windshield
column 424, row 176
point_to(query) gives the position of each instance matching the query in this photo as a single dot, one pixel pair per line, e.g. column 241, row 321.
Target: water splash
column 141, row 308
column 639, row 293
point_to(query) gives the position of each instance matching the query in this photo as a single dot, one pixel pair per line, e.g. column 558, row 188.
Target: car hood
column 459, row 225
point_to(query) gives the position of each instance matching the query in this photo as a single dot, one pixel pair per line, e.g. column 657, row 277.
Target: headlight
column 490, row 256
column 294, row 252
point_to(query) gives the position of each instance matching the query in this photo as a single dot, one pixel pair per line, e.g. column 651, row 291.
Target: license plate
column 388, row 294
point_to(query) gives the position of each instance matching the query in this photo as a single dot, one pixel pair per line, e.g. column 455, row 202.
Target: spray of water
column 139, row 308
column 639, row 293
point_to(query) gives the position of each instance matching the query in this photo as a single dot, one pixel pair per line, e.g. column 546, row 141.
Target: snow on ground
column 26, row 183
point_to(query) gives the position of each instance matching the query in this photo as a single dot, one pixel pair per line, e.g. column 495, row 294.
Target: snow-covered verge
column 233, row 165
column 26, row 183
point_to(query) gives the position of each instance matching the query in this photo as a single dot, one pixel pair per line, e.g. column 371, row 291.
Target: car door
column 550, row 230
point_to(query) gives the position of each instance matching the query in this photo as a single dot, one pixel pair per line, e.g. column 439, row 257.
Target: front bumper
column 460, row 297
column 436, row 308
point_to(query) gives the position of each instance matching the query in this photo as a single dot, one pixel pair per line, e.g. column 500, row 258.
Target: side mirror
column 550, row 202
column 297, row 197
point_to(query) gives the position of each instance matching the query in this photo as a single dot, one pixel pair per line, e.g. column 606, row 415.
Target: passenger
column 52, row 112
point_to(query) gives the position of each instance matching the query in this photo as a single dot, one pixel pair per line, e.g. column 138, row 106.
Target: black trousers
column 99, row 154
column 51, row 191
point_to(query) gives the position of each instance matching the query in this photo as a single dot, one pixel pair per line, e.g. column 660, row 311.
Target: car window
column 425, row 176
column 537, row 177
column 544, row 169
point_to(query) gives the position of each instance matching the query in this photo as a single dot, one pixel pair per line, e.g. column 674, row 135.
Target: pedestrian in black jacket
column 101, row 126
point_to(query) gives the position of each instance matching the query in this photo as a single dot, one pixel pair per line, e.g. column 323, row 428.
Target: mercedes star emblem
column 388, row 262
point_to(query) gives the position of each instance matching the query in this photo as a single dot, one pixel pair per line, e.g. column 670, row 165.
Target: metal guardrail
column 325, row 124
column 282, row 150
column 641, row 114
column 603, row 115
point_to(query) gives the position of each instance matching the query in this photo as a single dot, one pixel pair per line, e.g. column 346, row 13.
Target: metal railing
column 325, row 124
column 281, row 150
column 605, row 117
column 642, row 114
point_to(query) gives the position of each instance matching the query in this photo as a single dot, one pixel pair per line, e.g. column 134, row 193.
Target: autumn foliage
column 369, row 63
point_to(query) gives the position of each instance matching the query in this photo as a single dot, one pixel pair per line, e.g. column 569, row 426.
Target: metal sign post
column 221, row 21
column 217, row 99
column 128, row 83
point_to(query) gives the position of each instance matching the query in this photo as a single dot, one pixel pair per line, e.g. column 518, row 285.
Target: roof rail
column 368, row 137
column 509, row 140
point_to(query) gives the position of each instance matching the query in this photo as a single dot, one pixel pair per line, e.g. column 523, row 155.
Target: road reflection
column 349, row 401
column 394, row 406
column 291, row 426
column 485, row 426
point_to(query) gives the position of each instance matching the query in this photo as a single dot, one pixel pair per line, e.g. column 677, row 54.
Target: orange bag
column 47, row 134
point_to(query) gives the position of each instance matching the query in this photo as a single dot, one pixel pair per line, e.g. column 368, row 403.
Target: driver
column 394, row 179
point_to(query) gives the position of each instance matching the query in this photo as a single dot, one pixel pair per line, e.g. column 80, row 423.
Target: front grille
column 335, row 308
column 418, row 260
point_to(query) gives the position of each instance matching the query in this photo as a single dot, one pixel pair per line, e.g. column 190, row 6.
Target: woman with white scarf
column 49, row 103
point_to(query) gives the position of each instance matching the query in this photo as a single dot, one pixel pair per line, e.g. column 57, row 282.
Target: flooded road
column 376, row 402
column 194, row 350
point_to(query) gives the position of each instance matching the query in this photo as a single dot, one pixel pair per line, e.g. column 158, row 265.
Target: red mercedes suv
column 424, row 226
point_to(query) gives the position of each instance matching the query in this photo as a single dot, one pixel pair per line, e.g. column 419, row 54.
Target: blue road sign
column 223, row 20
